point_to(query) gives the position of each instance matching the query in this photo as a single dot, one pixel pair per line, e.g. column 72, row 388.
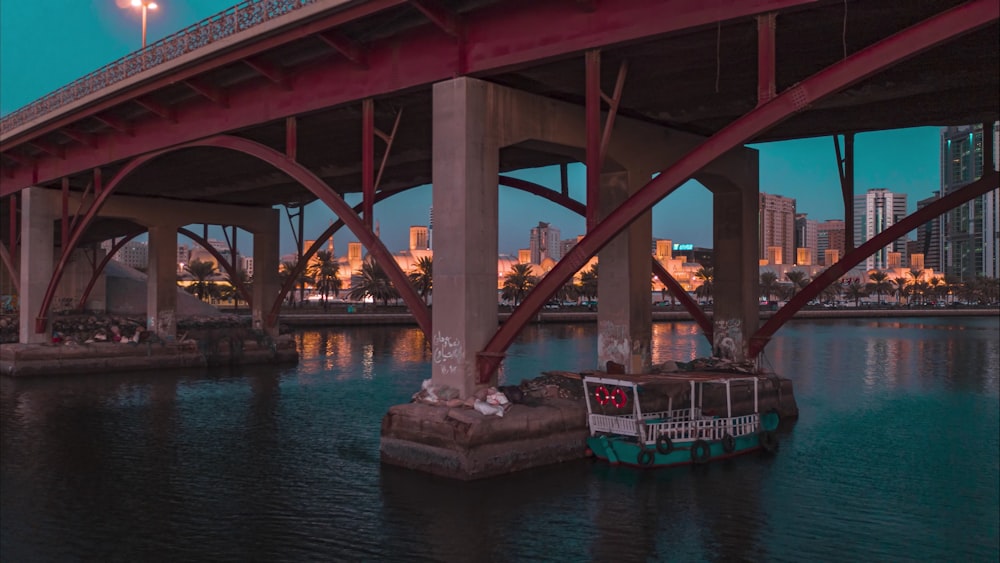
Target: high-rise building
column 134, row 254
column 969, row 233
column 430, row 229
column 806, row 238
column 829, row 236
column 419, row 237
column 776, row 221
column 929, row 241
column 544, row 243
column 875, row 211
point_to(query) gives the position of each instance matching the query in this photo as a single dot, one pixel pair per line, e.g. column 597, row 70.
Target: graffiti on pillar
column 165, row 324
column 728, row 339
column 613, row 344
column 449, row 353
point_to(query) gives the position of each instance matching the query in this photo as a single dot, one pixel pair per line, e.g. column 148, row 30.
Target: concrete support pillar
column 161, row 282
column 266, row 256
column 465, row 168
column 624, row 311
column 38, row 216
column 736, row 280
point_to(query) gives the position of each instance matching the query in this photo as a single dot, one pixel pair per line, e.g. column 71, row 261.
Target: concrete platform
column 26, row 360
column 460, row 443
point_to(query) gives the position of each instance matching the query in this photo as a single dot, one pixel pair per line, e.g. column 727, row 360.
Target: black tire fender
column 728, row 443
column 664, row 444
column 700, row 451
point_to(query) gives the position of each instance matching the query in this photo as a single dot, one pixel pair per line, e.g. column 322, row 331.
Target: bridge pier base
column 735, row 284
column 161, row 282
column 624, row 315
column 465, row 171
column 38, row 215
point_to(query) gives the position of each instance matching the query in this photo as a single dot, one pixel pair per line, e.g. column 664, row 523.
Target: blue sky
column 83, row 35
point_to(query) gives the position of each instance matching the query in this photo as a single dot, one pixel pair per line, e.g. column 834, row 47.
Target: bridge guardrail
column 243, row 16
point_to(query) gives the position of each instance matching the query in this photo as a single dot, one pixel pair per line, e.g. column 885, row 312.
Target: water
column 895, row 457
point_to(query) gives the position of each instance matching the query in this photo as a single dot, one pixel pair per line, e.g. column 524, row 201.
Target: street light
column 145, row 5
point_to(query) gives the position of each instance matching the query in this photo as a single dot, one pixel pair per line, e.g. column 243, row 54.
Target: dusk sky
column 83, row 35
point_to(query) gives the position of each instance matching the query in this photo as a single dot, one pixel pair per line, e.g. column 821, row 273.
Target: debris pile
column 706, row 364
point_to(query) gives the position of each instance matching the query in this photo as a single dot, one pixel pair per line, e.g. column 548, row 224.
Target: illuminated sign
column 683, row 246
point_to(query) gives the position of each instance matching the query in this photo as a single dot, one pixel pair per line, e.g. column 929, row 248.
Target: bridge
column 285, row 102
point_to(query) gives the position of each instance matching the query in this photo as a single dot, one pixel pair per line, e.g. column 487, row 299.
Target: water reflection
column 896, row 455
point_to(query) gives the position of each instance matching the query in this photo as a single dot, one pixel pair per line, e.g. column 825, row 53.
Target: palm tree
column 373, row 282
column 202, row 272
column 706, row 275
column 588, row 283
column 229, row 291
column 799, row 280
column 916, row 288
column 422, row 277
column 856, row 291
column 325, row 270
column 570, row 291
column 285, row 272
column 879, row 284
column 900, row 289
column 830, row 293
column 518, row 282
column 768, row 284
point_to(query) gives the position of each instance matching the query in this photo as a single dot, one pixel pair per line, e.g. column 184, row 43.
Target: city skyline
column 86, row 36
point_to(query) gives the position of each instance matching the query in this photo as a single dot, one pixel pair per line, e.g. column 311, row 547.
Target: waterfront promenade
column 314, row 316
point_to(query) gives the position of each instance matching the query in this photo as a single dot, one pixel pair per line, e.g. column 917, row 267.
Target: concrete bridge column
column 736, row 312
column 266, row 255
column 161, row 282
column 465, row 169
column 624, row 314
column 38, row 215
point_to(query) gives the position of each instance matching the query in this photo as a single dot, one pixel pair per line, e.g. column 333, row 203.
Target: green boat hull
column 620, row 450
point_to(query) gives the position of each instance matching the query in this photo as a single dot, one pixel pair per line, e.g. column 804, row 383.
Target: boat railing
column 625, row 424
column 704, row 429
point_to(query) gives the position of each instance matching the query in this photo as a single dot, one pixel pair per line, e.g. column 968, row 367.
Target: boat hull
column 618, row 450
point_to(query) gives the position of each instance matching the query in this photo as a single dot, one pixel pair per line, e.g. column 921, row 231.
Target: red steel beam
column 226, row 265
column 440, row 16
column 592, row 114
column 12, row 232
column 498, row 36
column 270, row 71
column 55, row 150
column 350, row 49
column 64, row 226
column 120, row 125
column 845, row 169
column 162, row 110
column 858, row 66
column 216, row 95
column 765, row 57
column 291, row 138
column 388, row 147
column 8, row 261
column 79, row 136
column 613, row 103
column 368, row 159
column 987, row 183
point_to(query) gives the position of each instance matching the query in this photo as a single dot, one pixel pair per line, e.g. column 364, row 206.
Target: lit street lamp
column 145, row 5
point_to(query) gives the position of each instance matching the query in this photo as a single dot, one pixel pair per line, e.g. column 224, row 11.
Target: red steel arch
column 293, row 169
column 866, row 62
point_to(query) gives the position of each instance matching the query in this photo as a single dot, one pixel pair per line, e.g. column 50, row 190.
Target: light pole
column 145, row 5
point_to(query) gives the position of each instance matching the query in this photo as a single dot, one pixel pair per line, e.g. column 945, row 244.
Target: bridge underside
column 685, row 71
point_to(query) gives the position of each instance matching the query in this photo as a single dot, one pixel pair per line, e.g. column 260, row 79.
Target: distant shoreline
column 298, row 318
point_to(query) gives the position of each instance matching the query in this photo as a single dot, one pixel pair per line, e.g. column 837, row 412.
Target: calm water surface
column 895, row 457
